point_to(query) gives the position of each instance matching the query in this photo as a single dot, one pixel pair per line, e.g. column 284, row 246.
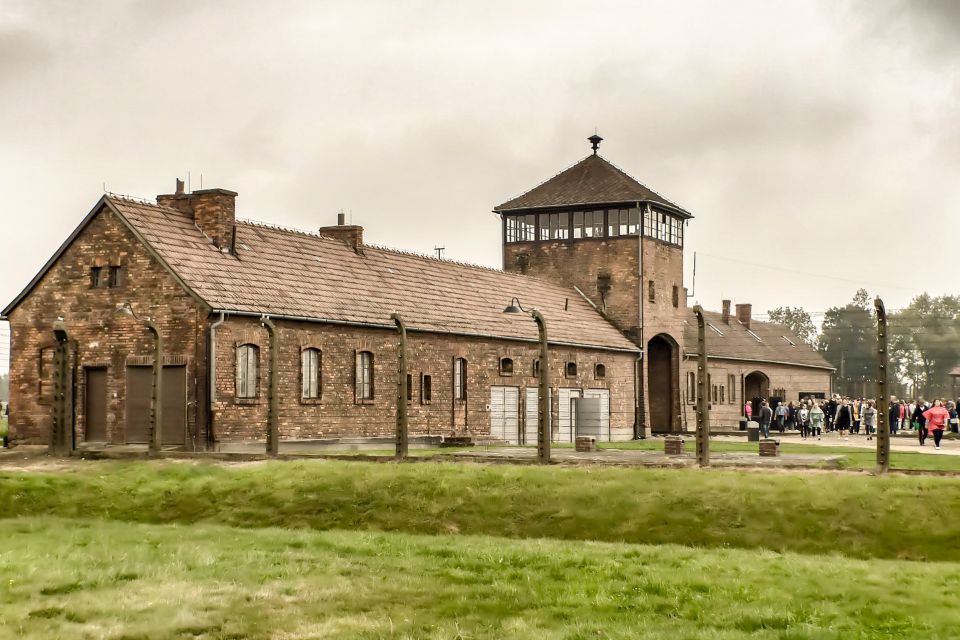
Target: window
column 588, row 224
column 506, row 366
column 676, row 296
column 623, row 222
column 732, row 385
column 460, row 379
column 571, row 370
column 409, row 388
column 715, row 394
column 692, row 387
column 364, row 376
column 310, row 374
column 554, row 226
column 651, row 291
column 97, row 278
column 536, row 368
column 117, row 277
column 600, row 372
column 426, row 389
column 662, row 226
column 722, row 395
column 521, row 228
column 248, row 376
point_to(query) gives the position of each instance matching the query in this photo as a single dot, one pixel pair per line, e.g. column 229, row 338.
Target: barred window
column 248, row 365
column 426, row 389
column 364, row 376
column 310, row 370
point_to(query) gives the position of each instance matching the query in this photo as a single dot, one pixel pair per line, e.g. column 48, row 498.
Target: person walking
column 869, row 416
column 766, row 415
column 816, row 420
column 919, row 420
column 830, row 411
column 748, row 410
column 893, row 415
column 843, row 421
column 781, row 415
column 936, row 419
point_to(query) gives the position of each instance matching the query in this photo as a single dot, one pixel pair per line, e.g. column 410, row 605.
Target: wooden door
column 95, row 407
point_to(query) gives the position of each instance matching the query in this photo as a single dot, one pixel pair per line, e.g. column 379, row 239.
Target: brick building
column 248, row 311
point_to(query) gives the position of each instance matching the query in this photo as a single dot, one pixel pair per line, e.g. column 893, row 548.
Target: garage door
column 530, row 422
column 139, row 394
column 566, row 416
column 604, row 396
column 505, row 413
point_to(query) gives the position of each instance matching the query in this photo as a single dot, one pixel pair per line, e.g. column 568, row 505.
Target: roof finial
column 595, row 140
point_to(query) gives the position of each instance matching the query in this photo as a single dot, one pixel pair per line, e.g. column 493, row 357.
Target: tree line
column 924, row 344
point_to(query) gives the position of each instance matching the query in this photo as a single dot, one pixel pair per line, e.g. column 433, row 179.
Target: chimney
column 743, row 314
column 213, row 210
column 349, row 234
column 726, row 312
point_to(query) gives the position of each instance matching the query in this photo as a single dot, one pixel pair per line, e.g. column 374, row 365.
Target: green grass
column 881, row 517
column 93, row 579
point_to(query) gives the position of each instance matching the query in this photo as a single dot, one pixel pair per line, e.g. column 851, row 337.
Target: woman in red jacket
column 936, row 417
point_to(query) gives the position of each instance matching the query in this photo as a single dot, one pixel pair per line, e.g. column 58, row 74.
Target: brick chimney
column 726, row 312
column 743, row 314
column 213, row 210
column 349, row 234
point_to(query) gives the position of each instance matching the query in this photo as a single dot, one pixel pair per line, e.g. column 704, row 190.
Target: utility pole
column 883, row 424
column 703, row 404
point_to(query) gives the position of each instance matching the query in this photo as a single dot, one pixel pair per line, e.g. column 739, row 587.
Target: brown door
column 95, row 411
column 660, row 384
column 139, row 392
column 174, row 406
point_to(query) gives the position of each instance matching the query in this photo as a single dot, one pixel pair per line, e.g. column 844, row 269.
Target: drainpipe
column 273, row 430
column 212, row 382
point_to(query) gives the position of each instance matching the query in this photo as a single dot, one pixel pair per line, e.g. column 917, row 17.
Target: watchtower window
column 554, row 226
column 588, row 224
column 651, row 291
column 521, row 228
column 622, row 222
column 506, row 366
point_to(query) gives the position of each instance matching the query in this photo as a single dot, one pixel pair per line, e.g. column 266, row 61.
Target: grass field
column 330, row 549
column 90, row 579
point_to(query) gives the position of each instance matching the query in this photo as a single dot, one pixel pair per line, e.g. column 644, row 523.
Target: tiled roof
column 291, row 273
column 770, row 342
column 593, row 180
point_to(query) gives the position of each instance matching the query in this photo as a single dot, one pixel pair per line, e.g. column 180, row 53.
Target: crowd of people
column 851, row 416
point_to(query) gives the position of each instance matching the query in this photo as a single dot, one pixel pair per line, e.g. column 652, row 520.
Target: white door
column 532, row 412
column 565, row 414
column 505, row 413
column 604, row 395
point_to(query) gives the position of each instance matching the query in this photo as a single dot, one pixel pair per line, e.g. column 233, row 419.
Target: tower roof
column 592, row 181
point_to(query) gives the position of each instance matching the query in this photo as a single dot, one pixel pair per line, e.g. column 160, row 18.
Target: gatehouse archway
column 662, row 383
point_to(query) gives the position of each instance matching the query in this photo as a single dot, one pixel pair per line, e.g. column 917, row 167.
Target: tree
column 925, row 343
column 797, row 320
column 848, row 341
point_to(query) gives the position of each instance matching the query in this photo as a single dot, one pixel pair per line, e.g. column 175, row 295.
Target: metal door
column 139, row 393
column 505, row 414
column 95, row 407
column 532, row 412
column 566, row 415
column 604, row 396
column 174, row 406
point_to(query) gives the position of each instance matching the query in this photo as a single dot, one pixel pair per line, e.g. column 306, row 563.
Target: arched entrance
column 661, row 383
column 756, row 389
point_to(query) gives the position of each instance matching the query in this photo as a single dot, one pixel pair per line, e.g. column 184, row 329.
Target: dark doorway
column 661, row 384
column 139, row 395
column 95, row 409
column 756, row 388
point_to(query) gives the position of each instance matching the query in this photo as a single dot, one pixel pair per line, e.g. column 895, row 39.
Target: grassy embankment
column 96, row 579
column 867, row 517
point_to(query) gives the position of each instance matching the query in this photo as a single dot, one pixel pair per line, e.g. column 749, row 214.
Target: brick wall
column 337, row 414
column 103, row 338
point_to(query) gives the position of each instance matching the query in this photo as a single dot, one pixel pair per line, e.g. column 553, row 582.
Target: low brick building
column 596, row 252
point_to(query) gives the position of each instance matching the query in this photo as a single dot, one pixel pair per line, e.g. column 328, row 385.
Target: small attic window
column 789, row 341
column 571, row 369
column 599, row 372
column 506, row 366
column 755, row 336
column 719, row 333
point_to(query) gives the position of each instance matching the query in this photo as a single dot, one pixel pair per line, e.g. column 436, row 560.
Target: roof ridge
column 279, row 227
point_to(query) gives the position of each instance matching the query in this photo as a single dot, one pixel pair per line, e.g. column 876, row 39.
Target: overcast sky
column 817, row 143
